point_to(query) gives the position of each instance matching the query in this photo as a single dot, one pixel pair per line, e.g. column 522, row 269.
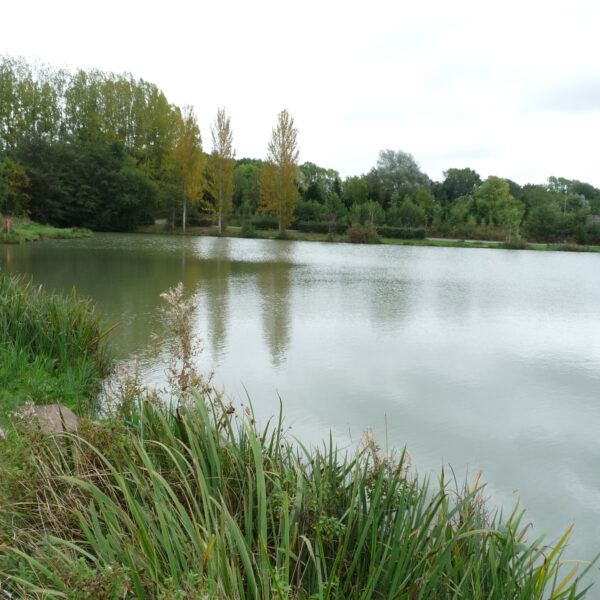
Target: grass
column 192, row 501
column 51, row 348
column 29, row 231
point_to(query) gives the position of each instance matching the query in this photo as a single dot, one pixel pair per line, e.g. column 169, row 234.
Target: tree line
column 109, row 152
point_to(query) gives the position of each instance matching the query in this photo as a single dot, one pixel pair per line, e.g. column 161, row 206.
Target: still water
column 472, row 358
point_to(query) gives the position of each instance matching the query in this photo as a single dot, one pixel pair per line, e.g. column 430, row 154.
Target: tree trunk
column 184, row 207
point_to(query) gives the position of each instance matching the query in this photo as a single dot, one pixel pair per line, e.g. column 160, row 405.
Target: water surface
column 473, row 358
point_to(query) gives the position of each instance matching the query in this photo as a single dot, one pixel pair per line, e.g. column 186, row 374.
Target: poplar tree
column 221, row 165
column 189, row 158
column 278, row 189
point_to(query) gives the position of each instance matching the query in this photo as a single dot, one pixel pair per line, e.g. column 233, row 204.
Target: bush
column 248, row 231
column 363, row 234
column 516, row 244
column 406, row 233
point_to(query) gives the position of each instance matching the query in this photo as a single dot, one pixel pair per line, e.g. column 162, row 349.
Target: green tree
column 355, row 190
column 334, row 210
column 278, row 188
column 221, row 165
column 460, row 182
column 399, row 172
column 14, row 199
column 246, row 185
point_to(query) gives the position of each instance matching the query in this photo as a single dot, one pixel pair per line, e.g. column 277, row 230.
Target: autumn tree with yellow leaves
column 189, row 159
column 278, row 189
column 220, row 166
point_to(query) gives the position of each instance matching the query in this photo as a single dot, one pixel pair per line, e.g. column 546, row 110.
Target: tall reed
column 194, row 502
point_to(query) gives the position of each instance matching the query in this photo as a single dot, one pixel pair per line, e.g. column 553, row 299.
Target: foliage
column 246, row 186
column 195, row 498
column 362, row 234
column 24, row 230
column 221, row 165
column 264, row 222
column 51, row 347
column 398, row 172
column 355, row 191
column 320, row 227
column 459, row 182
column 14, row 199
column 279, row 193
column 407, row 233
column 248, row 230
column 189, row 159
column 407, row 214
column 370, row 213
column 96, row 186
column 308, row 210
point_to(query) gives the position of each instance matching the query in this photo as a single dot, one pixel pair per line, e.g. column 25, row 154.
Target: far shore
column 303, row 236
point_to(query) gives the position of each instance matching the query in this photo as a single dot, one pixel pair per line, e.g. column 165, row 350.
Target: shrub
column 320, row 227
column 516, row 244
column 265, row 222
column 248, row 231
column 406, row 233
column 363, row 234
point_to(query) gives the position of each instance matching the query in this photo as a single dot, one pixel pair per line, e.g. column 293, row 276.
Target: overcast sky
column 507, row 88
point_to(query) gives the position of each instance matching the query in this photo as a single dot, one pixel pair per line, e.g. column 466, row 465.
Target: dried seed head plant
column 182, row 344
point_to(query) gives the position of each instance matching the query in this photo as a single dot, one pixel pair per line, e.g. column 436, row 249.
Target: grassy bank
column 50, row 348
column 293, row 235
column 192, row 501
column 28, row 231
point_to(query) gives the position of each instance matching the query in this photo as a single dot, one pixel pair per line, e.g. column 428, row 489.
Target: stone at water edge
column 55, row 418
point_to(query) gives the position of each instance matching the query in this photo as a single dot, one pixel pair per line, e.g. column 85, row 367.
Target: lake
column 472, row 358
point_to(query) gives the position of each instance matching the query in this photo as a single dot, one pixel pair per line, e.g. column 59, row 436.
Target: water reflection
column 213, row 289
column 485, row 359
column 274, row 282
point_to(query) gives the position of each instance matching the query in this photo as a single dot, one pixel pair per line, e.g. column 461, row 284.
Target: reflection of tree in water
column 274, row 279
column 215, row 289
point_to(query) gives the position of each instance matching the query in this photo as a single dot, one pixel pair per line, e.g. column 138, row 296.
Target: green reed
column 195, row 502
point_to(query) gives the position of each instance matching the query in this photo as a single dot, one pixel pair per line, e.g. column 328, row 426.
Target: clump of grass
column 25, row 230
column 51, row 346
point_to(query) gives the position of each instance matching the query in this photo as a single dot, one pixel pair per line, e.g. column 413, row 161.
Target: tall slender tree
column 278, row 187
column 189, row 159
column 221, row 165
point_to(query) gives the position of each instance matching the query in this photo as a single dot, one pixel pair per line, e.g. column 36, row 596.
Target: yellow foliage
column 278, row 189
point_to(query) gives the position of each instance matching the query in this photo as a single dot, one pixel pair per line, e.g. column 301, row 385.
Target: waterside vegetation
column 51, row 348
column 192, row 500
column 110, row 153
column 16, row 230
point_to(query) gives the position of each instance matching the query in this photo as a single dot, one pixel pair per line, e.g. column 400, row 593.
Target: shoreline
column 294, row 235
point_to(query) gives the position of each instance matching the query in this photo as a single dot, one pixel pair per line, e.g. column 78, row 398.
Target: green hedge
column 405, row 233
column 320, row 227
column 265, row 222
